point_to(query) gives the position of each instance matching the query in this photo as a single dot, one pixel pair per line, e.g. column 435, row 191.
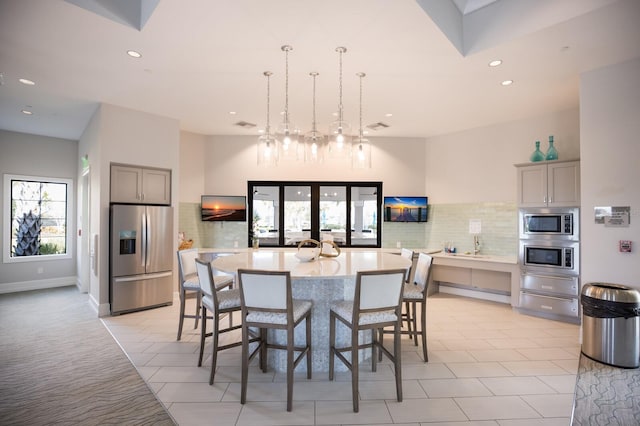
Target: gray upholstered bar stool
column 267, row 303
column 219, row 303
column 376, row 304
column 189, row 283
column 415, row 294
column 406, row 315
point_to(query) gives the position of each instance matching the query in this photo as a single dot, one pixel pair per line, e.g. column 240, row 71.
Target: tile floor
column 487, row 366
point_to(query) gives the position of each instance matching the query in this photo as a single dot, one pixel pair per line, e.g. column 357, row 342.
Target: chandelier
column 315, row 147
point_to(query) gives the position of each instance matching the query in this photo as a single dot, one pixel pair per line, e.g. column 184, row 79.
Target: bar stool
column 376, row 304
column 218, row 303
column 267, row 303
column 188, row 283
column 406, row 315
column 412, row 295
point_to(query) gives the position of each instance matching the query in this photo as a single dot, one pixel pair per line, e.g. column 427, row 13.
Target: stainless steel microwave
column 555, row 223
column 559, row 257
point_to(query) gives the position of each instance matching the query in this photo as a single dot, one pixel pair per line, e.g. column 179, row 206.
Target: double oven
column 549, row 258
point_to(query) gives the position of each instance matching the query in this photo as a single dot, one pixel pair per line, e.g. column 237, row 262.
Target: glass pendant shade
column 267, row 150
column 314, row 147
column 287, row 136
column 361, row 154
column 339, row 139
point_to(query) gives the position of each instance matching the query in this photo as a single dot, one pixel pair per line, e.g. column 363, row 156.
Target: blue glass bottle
column 537, row 154
column 552, row 153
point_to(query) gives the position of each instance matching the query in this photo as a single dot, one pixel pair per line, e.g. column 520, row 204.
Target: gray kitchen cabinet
column 140, row 185
column 549, row 184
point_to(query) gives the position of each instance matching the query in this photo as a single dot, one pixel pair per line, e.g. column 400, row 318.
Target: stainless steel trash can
column 611, row 324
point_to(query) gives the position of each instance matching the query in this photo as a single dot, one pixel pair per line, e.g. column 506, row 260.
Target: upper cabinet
column 140, row 185
column 549, row 184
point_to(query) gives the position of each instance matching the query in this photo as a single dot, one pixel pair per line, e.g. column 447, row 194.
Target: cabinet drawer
column 549, row 284
column 549, row 304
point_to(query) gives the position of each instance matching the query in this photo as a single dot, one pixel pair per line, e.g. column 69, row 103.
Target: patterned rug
column 60, row 365
column 606, row 395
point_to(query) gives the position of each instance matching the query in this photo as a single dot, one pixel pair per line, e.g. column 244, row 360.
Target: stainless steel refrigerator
column 141, row 257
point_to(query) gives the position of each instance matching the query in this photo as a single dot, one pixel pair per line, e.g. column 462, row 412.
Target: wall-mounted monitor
column 405, row 209
column 224, row 208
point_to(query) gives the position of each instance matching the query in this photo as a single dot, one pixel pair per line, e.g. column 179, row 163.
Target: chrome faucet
column 476, row 244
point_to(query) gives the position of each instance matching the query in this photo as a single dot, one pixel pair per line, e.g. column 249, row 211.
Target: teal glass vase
column 537, row 154
column 552, row 153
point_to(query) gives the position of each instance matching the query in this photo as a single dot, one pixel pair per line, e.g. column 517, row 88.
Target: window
column 285, row 213
column 36, row 216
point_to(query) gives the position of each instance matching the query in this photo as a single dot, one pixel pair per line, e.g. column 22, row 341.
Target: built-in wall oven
column 549, row 257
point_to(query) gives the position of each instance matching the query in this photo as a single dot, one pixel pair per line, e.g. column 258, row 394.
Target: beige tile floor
column 488, row 365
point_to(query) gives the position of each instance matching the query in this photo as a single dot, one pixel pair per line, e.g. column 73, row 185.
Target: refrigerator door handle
column 149, row 240
column 139, row 277
column 144, row 241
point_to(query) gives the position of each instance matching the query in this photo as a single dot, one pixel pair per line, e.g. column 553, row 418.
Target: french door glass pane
column 364, row 216
column 333, row 213
column 297, row 214
column 265, row 214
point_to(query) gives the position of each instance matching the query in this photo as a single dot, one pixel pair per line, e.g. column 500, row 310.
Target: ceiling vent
column 244, row 124
column 377, row 126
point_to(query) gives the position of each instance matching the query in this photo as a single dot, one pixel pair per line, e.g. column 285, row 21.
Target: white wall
column 192, row 166
column 33, row 155
column 477, row 165
column 232, row 161
column 610, row 129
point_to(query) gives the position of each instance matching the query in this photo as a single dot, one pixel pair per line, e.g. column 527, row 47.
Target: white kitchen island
column 322, row 281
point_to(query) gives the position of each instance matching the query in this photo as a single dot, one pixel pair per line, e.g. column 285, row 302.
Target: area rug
column 59, row 365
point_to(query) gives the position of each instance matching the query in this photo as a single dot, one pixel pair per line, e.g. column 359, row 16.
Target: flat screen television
column 224, row 208
column 405, row 209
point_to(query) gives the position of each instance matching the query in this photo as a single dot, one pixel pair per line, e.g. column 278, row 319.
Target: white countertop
column 347, row 264
column 475, row 258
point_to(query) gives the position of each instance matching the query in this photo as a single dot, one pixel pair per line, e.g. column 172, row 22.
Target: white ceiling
column 425, row 60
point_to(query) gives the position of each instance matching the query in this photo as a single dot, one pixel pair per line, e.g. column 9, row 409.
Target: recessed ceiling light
column 27, row 112
column 507, row 83
column 27, row 81
column 232, row 113
column 388, row 114
column 495, row 62
column 134, row 54
column 261, row 131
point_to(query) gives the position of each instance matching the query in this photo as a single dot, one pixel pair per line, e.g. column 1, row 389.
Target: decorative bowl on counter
column 307, row 254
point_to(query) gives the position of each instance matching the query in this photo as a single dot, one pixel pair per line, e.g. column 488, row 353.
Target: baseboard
column 37, row 284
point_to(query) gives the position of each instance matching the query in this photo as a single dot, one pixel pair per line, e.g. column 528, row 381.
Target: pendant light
column 267, row 144
column 361, row 148
column 314, row 141
column 286, row 133
column 339, row 130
